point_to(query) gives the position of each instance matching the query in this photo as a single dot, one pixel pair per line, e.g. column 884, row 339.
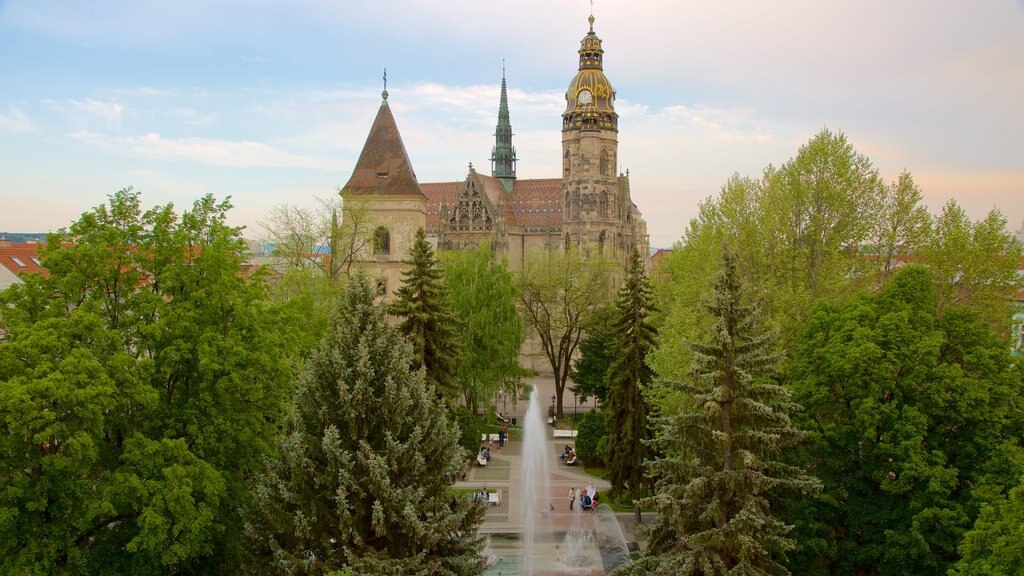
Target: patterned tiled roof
column 538, row 202
column 533, row 202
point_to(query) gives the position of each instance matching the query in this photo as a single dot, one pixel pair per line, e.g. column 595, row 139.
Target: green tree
column 903, row 226
column 723, row 470
column 365, row 469
column 174, row 371
column 914, row 420
column 589, row 369
column 428, row 320
column 995, row 545
column 556, row 291
column 483, row 296
column 592, row 434
column 975, row 263
column 628, row 375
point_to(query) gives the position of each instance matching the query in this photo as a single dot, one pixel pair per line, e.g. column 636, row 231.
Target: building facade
column 588, row 206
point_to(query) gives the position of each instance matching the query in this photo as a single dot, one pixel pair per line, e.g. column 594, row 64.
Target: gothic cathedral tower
column 595, row 210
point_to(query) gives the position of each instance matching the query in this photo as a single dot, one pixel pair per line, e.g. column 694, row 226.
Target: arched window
column 600, row 242
column 381, row 241
column 604, row 163
column 602, row 207
column 565, row 162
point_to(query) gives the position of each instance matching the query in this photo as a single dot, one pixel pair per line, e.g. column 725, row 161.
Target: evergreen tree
column 723, row 469
column 628, row 374
column 427, row 318
column 364, row 477
column 596, row 354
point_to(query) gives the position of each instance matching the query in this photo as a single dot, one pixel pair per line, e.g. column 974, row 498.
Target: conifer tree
column 364, row 477
column 633, row 340
column 427, row 318
column 713, row 491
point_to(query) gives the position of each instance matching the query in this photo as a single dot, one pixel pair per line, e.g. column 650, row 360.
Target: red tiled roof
column 21, row 258
column 538, row 202
column 533, row 202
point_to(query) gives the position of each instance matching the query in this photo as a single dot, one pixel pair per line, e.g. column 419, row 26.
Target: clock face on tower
column 584, row 97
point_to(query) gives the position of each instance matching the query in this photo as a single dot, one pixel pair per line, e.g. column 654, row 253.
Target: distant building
column 588, row 206
column 17, row 258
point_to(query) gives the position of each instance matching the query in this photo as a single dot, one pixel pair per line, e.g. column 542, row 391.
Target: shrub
column 593, row 429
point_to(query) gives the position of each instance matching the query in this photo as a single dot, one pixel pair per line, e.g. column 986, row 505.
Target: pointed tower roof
column 503, row 155
column 383, row 166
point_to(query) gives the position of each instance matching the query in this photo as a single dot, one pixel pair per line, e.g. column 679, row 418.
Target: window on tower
column 381, row 241
column 604, row 163
column 602, row 207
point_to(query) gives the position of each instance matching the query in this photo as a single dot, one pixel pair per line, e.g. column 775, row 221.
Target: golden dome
column 590, row 98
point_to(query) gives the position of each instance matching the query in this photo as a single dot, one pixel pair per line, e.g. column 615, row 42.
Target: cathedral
column 588, row 206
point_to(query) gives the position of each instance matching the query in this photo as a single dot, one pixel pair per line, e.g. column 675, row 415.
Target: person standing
column 572, row 498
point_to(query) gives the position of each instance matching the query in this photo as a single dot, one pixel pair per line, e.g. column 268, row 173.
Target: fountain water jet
column 536, row 481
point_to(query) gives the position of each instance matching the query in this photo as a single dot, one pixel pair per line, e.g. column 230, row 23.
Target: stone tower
column 384, row 195
column 596, row 202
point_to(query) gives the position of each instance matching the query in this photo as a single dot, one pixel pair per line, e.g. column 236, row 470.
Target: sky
column 270, row 102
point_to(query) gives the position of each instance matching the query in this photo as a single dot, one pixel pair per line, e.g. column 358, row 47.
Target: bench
column 494, row 498
column 564, row 433
column 491, row 438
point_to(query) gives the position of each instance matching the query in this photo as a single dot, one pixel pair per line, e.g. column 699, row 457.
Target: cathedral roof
column 532, row 201
column 383, row 166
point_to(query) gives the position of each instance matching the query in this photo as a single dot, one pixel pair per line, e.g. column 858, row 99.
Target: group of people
column 485, row 451
column 568, row 455
column 588, row 498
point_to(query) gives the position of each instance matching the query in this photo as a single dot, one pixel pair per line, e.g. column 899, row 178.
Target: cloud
column 15, row 120
column 201, row 150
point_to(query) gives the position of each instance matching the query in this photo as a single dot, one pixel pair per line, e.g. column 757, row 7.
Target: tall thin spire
column 503, row 155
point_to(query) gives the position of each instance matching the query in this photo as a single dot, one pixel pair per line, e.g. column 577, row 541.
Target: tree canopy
column 483, row 296
column 141, row 384
column 915, row 422
column 365, row 468
column 723, row 471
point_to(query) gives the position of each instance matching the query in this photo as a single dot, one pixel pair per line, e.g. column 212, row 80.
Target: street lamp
column 553, row 413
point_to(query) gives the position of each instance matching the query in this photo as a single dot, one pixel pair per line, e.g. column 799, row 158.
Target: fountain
column 611, row 541
column 536, row 481
column 552, row 542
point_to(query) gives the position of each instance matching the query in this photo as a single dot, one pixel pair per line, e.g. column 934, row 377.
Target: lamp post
column 554, row 414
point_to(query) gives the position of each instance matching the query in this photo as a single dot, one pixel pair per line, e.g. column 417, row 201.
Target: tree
column 723, row 469
column 366, row 466
column 483, row 296
column 315, row 239
column 626, row 379
column 903, row 226
column 914, row 419
column 427, row 318
column 589, row 369
column 556, row 290
column 149, row 373
column 975, row 263
column 995, row 545
column 592, row 434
